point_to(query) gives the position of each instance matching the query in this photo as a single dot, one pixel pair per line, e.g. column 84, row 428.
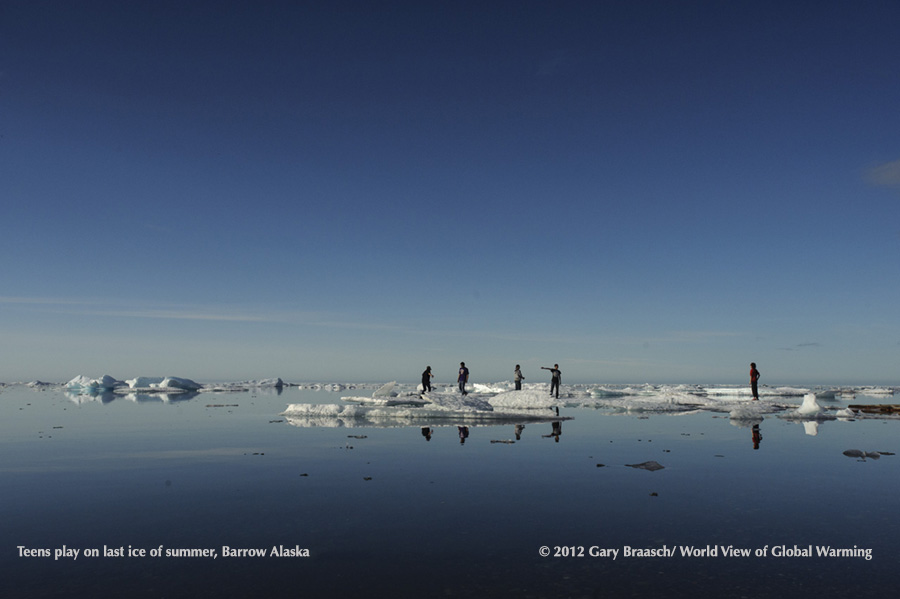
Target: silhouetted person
column 519, row 378
column 754, row 377
column 463, row 378
column 555, row 379
column 426, row 379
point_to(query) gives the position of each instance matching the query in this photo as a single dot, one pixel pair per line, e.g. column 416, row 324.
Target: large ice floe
column 397, row 404
column 437, row 407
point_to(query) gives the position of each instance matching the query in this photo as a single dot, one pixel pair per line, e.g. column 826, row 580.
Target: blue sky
column 645, row 191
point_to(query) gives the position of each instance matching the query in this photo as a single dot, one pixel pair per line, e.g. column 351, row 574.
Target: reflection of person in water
column 756, row 436
column 519, row 429
column 426, row 380
column 426, row 432
column 556, row 432
column 463, row 434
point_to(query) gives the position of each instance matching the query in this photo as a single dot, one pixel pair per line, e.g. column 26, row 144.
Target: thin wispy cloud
column 801, row 346
column 886, row 175
column 118, row 309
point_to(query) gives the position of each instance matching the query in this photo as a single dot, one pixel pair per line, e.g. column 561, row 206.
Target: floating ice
column 809, row 407
column 166, row 382
column 482, row 388
column 386, row 390
column 524, row 399
column 275, row 383
column 332, row 415
column 763, row 391
column 86, row 384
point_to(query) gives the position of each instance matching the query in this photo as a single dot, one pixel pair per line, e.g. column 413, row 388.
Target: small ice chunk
column 386, row 390
column 809, row 406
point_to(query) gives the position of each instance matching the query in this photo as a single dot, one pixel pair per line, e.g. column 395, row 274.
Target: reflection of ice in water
column 811, row 428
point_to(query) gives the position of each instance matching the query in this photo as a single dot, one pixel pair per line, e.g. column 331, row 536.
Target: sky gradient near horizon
column 644, row 191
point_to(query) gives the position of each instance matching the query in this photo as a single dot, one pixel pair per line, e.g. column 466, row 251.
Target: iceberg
column 84, row 384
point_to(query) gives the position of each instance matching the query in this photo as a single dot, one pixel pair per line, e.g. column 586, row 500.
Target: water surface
column 394, row 514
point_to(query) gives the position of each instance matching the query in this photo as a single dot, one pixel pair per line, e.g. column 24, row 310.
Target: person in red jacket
column 754, row 377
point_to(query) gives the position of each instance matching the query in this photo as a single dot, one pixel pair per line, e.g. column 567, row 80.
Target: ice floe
column 431, row 407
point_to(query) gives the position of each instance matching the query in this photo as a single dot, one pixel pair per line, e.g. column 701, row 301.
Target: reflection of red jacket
column 754, row 375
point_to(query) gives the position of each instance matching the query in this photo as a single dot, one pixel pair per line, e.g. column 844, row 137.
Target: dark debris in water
column 652, row 466
column 862, row 455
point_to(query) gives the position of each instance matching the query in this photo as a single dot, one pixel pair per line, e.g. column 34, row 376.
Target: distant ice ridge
column 763, row 391
column 276, row 383
column 86, row 385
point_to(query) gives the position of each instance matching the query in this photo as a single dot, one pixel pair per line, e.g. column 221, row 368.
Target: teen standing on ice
column 519, row 378
column 555, row 379
column 754, row 377
column 426, row 380
column 463, row 377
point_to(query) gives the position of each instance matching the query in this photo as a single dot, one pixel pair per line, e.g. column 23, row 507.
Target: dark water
column 395, row 515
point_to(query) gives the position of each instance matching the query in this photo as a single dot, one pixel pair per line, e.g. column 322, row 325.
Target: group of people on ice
column 463, row 378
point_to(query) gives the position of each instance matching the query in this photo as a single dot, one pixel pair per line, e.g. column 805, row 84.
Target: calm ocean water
column 384, row 512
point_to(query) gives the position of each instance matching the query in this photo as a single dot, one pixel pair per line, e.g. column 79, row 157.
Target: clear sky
column 640, row 191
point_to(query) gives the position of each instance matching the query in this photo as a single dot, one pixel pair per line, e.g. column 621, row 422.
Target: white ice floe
column 163, row 382
column 809, row 406
column 749, row 412
column 763, row 391
column 86, row 384
column 875, row 391
column 275, row 383
column 410, row 400
column 662, row 399
column 495, row 388
column 524, row 399
column 809, row 410
column 440, row 407
column 387, row 396
column 386, row 390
